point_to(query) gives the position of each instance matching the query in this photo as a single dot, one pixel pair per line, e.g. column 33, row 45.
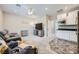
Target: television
column 39, row 26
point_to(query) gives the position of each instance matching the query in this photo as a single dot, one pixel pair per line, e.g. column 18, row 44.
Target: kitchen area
column 66, row 33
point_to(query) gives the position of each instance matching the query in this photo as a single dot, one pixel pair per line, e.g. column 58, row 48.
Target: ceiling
column 38, row 9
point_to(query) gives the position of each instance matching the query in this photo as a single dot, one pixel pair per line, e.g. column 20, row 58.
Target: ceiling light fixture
column 46, row 8
column 66, row 8
column 30, row 11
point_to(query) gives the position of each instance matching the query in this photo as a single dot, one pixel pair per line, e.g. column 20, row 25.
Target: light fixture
column 66, row 8
column 30, row 11
column 46, row 8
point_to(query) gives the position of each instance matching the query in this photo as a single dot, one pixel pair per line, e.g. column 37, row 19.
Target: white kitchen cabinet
column 58, row 34
column 63, row 35
column 71, row 18
column 67, row 35
column 73, row 36
column 61, row 16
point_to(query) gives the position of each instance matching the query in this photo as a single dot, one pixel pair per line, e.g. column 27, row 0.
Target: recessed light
column 46, row 8
column 66, row 8
column 30, row 11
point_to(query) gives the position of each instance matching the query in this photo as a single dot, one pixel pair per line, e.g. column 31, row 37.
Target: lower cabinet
column 73, row 36
column 62, row 35
column 67, row 35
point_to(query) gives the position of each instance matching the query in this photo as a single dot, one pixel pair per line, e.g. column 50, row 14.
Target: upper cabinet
column 71, row 18
column 61, row 17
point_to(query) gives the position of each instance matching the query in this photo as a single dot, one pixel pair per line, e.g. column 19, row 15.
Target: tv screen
column 39, row 26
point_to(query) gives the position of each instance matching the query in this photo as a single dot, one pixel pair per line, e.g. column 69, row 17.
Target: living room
column 37, row 26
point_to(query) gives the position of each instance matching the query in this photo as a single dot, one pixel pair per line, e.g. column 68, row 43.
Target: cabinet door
column 63, row 35
column 73, row 36
column 71, row 18
column 58, row 34
column 61, row 16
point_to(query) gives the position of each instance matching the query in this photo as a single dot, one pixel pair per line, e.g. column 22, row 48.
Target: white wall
column 15, row 23
column 1, row 19
column 50, row 27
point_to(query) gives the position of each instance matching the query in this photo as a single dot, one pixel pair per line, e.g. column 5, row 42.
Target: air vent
column 18, row 5
column 60, row 10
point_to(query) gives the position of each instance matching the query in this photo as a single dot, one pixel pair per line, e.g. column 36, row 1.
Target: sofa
column 14, row 45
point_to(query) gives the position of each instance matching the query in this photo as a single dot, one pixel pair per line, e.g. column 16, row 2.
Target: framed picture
column 24, row 33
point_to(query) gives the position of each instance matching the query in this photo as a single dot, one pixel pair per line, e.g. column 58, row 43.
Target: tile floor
column 63, row 47
column 53, row 47
column 41, row 43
